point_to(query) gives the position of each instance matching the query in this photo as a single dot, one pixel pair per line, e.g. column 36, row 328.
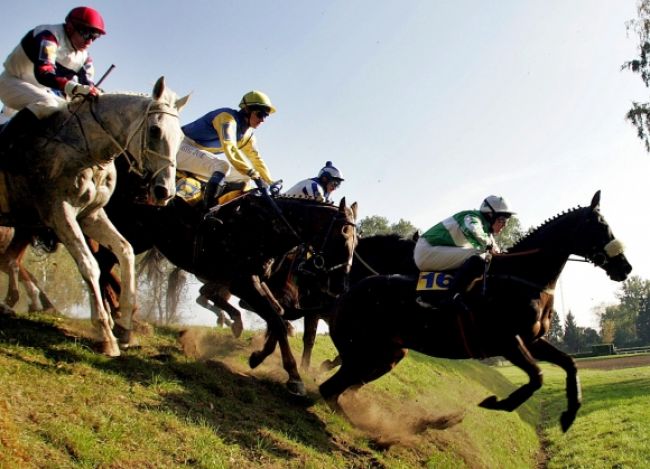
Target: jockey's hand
column 76, row 89
column 275, row 188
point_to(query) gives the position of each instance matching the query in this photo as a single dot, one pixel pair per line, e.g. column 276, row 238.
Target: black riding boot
column 471, row 269
column 214, row 189
column 21, row 126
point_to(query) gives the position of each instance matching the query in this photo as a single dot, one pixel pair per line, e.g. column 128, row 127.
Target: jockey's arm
column 226, row 127
column 475, row 232
column 250, row 150
column 45, row 63
column 45, row 69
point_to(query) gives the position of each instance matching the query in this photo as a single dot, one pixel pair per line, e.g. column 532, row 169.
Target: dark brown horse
column 239, row 245
column 509, row 320
column 301, row 295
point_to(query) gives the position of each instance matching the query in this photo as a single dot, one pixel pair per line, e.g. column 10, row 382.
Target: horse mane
column 539, row 230
column 306, row 198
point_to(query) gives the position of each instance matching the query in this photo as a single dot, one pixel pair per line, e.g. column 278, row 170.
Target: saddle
column 191, row 187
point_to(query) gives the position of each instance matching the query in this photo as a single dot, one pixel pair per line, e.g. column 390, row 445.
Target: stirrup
column 423, row 303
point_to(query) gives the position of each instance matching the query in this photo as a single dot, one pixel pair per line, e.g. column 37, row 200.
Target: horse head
column 596, row 242
column 338, row 247
column 328, row 234
column 161, row 136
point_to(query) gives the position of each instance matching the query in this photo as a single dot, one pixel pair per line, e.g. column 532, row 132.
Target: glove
column 75, row 89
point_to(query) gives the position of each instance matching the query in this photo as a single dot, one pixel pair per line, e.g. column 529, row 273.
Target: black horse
column 302, row 295
column 509, row 320
column 239, row 245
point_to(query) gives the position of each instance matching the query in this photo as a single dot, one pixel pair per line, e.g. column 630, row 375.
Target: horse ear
column 595, row 202
column 416, row 235
column 159, row 88
column 354, row 207
column 180, row 103
column 342, row 205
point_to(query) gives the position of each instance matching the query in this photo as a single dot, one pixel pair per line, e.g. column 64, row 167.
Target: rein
column 365, row 264
column 135, row 165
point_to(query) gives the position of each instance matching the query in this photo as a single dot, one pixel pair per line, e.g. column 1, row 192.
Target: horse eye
column 155, row 132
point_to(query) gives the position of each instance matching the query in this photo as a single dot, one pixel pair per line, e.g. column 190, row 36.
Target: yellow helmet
column 256, row 98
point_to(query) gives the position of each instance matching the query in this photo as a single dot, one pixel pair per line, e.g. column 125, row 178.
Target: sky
column 426, row 106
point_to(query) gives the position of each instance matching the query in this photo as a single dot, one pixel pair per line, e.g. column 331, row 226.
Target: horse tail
column 176, row 282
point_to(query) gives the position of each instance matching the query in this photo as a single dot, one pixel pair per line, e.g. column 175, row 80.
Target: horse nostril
column 161, row 193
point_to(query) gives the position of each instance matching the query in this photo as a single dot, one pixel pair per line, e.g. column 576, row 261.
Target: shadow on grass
column 237, row 407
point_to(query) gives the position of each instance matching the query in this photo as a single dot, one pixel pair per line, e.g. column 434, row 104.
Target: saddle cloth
column 434, row 281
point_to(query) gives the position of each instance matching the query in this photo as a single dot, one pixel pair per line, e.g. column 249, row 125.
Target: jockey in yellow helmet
column 220, row 146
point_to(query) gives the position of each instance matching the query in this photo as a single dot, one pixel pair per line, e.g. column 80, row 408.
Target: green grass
column 611, row 429
column 195, row 403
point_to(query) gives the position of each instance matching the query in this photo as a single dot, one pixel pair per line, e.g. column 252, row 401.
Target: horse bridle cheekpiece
column 136, row 163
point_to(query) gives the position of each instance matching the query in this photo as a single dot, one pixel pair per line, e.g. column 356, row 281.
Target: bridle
column 136, row 162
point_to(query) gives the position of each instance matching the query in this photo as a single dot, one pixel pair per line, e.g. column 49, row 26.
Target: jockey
column 228, row 132
column 328, row 180
column 50, row 64
column 462, row 242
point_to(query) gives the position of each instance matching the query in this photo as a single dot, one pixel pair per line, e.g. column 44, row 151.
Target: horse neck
column 110, row 125
column 541, row 256
column 311, row 222
column 384, row 254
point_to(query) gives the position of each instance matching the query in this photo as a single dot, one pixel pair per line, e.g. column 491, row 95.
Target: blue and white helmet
column 331, row 172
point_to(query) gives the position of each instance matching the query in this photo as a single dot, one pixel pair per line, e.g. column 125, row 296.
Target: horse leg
column 13, row 294
column 328, row 365
column 65, row 226
column 308, row 339
column 99, row 227
column 258, row 295
column 218, row 307
column 358, row 370
column 543, row 350
column 519, row 356
column 219, row 296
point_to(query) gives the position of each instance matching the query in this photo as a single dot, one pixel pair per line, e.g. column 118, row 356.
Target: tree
column 555, row 334
column 373, row 225
column 378, row 225
column 639, row 114
column 510, row 234
column 571, row 334
column 403, row 228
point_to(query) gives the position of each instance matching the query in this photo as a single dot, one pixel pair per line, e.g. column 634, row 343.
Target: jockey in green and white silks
column 447, row 244
column 461, row 242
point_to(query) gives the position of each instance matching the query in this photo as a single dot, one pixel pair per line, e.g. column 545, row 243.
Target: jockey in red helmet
column 48, row 66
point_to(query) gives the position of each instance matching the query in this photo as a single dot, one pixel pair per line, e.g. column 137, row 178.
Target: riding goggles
column 88, row 34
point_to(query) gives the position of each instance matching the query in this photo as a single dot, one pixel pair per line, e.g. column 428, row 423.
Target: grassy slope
column 195, row 402
column 611, row 430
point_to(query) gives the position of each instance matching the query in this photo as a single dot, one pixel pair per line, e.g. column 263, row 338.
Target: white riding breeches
column 17, row 94
column 435, row 258
column 200, row 162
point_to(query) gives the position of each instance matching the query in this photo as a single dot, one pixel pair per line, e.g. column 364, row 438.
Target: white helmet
column 496, row 205
column 331, row 172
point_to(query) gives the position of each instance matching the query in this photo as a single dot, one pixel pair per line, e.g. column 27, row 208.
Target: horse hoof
column 254, row 360
column 490, row 403
column 566, row 420
column 237, row 328
column 296, row 387
column 110, row 348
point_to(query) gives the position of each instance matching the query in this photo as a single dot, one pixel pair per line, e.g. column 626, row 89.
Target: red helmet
column 86, row 17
